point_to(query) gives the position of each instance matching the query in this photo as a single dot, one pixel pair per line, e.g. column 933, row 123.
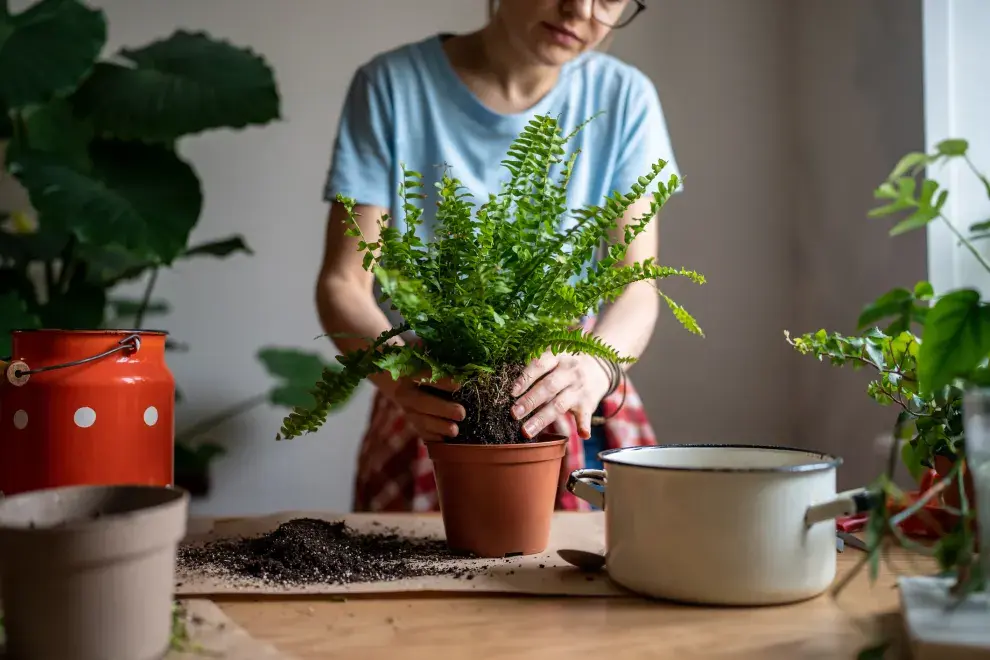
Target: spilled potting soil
column 312, row 551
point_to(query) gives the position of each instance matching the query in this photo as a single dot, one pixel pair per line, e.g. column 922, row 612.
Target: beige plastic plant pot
column 87, row 572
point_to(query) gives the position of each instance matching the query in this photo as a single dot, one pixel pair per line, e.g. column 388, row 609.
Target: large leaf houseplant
column 498, row 285
column 96, row 191
column 927, row 350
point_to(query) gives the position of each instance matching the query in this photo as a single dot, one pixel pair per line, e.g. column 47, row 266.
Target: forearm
column 627, row 323
column 348, row 314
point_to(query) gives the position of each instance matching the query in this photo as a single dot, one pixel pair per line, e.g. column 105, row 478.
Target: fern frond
column 605, row 285
column 492, row 286
column 337, row 385
column 683, row 316
column 576, row 341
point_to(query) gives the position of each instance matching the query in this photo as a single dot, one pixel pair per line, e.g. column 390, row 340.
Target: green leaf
column 112, row 264
column 219, row 248
column 81, row 306
column 894, row 302
column 195, row 457
column 142, row 197
column 980, row 226
column 14, row 315
column 292, row 364
column 923, row 290
column 44, row 245
column 910, row 163
column 291, row 396
column 955, row 340
column 53, row 129
column 295, row 371
column 47, row 50
column 920, row 218
column 683, row 317
column 185, row 84
column 952, row 147
column 912, row 460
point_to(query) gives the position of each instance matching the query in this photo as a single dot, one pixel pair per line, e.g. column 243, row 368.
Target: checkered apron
column 394, row 471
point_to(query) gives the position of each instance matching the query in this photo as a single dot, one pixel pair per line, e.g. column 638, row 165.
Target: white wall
column 957, row 96
column 740, row 91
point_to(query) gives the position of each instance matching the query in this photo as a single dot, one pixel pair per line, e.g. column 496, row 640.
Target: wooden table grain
column 496, row 627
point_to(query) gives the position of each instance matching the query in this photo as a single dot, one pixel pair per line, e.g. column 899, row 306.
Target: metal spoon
column 583, row 559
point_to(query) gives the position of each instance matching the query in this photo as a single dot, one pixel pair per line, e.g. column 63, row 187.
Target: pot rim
column 178, row 498
column 549, row 439
column 91, row 331
column 825, row 462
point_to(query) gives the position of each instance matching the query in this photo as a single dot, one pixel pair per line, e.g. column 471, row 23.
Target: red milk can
column 93, row 407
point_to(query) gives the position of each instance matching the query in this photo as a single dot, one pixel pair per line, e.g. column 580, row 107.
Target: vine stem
column 965, row 242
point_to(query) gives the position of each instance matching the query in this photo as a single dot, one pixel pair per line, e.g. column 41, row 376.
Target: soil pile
column 312, row 551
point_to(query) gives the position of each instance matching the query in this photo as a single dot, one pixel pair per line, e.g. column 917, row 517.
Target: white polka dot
column 20, row 419
column 84, row 417
column 151, row 416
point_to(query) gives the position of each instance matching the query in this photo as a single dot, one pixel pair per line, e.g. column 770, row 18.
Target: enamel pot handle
column 580, row 483
column 849, row 503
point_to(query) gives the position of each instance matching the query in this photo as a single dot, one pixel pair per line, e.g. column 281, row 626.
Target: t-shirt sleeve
column 361, row 165
column 645, row 138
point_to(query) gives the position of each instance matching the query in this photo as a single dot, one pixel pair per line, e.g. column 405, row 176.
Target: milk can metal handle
column 17, row 373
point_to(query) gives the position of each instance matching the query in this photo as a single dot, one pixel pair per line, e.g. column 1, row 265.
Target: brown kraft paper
column 544, row 574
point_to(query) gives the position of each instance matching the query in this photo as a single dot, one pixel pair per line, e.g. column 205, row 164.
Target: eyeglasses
column 616, row 13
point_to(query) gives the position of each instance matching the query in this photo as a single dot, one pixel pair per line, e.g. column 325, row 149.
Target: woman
column 460, row 100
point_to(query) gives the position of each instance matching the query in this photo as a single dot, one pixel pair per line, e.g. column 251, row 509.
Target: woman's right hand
column 431, row 415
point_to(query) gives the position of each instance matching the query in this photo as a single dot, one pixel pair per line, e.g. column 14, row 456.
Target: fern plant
column 498, row 284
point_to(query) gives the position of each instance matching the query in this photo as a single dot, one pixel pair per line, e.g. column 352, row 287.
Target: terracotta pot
column 87, row 572
column 86, row 407
column 950, row 496
column 498, row 500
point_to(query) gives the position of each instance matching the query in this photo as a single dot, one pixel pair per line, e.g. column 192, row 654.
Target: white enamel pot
column 719, row 524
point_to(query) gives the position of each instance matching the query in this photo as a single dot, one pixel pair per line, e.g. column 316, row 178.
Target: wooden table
column 409, row 627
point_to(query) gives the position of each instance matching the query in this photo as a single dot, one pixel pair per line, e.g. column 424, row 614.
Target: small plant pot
column 87, row 572
column 497, row 500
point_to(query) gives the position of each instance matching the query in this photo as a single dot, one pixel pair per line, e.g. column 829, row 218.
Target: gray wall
column 858, row 106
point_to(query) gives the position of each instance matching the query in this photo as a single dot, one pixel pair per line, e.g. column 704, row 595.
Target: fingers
column 564, row 401
column 533, row 372
column 430, row 428
column 582, row 415
column 433, row 417
column 545, row 390
column 413, row 399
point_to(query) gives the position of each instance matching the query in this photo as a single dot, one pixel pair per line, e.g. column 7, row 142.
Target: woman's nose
column 580, row 8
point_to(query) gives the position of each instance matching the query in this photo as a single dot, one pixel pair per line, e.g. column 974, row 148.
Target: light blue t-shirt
column 408, row 107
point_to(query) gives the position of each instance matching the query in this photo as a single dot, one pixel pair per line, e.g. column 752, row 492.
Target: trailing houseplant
column 96, row 191
column 924, row 375
column 498, row 286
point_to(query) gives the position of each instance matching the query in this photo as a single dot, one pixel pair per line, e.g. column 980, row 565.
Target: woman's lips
column 561, row 35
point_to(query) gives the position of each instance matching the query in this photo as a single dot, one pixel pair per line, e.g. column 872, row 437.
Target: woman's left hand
column 553, row 385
